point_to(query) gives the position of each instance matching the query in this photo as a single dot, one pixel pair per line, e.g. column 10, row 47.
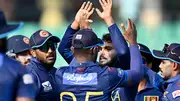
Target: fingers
column 98, row 12
column 89, row 20
column 83, row 5
column 104, row 2
column 123, row 28
column 129, row 24
column 101, row 3
column 90, row 7
column 87, row 5
column 134, row 26
column 90, row 13
column 109, row 2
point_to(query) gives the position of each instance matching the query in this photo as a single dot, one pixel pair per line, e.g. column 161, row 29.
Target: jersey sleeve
column 65, row 45
column 25, row 85
column 120, row 46
column 135, row 74
column 156, row 80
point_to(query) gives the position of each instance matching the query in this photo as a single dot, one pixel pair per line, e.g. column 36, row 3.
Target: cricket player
column 146, row 90
column 19, row 49
column 15, row 82
column 170, row 70
column 43, row 50
column 86, row 79
column 114, row 52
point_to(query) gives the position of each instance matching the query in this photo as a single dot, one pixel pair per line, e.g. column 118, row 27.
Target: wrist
column 133, row 43
column 75, row 25
column 109, row 21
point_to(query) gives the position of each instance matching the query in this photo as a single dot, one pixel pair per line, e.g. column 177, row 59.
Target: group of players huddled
column 126, row 70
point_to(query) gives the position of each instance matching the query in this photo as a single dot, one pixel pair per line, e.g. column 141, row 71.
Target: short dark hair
column 150, row 59
column 107, row 38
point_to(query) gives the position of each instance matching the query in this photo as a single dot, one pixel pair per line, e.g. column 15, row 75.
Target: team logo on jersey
column 176, row 93
column 151, row 98
column 47, row 86
column 27, row 79
column 80, row 79
column 78, row 36
column 165, row 93
column 44, row 33
column 26, row 40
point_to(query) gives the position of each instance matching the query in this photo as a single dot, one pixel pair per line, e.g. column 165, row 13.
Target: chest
column 172, row 92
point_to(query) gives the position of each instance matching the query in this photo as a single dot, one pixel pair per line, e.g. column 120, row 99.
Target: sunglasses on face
column 46, row 46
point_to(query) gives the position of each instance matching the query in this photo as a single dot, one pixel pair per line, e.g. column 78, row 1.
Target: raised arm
column 65, row 45
column 117, row 38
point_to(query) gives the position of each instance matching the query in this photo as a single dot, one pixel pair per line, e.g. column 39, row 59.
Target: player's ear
column 72, row 49
column 175, row 66
column 32, row 52
column 95, row 50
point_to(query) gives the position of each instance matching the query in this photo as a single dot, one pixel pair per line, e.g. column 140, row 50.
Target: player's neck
column 83, row 59
column 142, row 85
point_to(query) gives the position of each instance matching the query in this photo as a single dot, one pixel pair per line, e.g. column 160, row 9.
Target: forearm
column 109, row 21
column 137, row 70
column 120, row 45
column 65, row 45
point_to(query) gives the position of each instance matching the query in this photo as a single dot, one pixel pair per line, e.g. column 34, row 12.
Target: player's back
column 10, row 75
column 88, row 81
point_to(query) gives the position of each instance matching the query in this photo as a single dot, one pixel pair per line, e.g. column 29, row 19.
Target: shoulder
column 12, row 65
column 62, row 69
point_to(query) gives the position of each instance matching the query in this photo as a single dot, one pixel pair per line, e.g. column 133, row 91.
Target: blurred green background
column 154, row 39
column 157, row 21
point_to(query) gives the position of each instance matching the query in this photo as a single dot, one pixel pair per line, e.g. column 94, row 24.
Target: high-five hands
column 130, row 34
column 82, row 16
column 106, row 14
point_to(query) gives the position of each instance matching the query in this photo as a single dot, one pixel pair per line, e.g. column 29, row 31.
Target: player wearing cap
column 15, row 83
column 87, row 80
column 149, row 84
column 19, row 49
column 43, row 50
column 146, row 90
column 114, row 52
column 170, row 70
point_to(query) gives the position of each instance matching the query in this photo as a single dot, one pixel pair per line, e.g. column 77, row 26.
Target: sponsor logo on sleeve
column 27, row 79
column 176, row 93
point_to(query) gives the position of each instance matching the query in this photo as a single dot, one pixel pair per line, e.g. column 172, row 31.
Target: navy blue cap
column 40, row 37
column 17, row 44
column 170, row 52
column 86, row 38
column 144, row 49
column 5, row 28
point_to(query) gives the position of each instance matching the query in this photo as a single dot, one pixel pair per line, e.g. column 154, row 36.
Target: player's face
column 46, row 54
column 23, row 57
column 107, row 54
column 166, row 68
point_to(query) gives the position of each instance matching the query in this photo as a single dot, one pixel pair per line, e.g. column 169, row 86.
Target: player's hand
column 106, row 13
column 86, row 7
column 84, row 17
column 85, row 21
column 130, row 34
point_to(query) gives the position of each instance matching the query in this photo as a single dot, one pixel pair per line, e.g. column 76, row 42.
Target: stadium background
column 157, row 21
